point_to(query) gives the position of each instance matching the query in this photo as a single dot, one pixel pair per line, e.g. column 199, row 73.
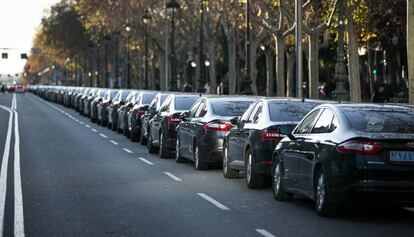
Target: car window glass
column 246, row 114
column 200, row 109
column 184, row 102
column 193, row 110
column 258, row 115
column 253, row 114
column 306, row 125
column 334, row 124
column 323, row 125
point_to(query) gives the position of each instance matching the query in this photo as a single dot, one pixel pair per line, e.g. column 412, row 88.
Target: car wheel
column 253, row 180
column 125, row 131
column 323, row 204
column 198, row 165
column 178, row 157
column 133, row 135
column 143, row 140
column 163, row 151
column 278, row 185
column 227, row 171
column 151, row 148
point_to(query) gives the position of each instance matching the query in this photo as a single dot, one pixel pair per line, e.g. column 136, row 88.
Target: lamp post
column 128, row 72
column 200, row 68
column 340, row 71
column 172, row 4
column 298, row 46
column 146, row 18
column 247, row 90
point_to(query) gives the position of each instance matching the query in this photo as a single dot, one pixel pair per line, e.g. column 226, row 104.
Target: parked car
column 87, row 102
column 250, row 145
column 82, row 98
column 19, row 89
column 153, row 109
column 94, row 104
column 201, row 132
column 103, row 106
column 117, row 102
column 162, row 133
column 340, row 152
column 123, row 110
column 134, row 115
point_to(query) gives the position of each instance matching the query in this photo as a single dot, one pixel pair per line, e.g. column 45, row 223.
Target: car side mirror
column 184, row 116
column 235, row 121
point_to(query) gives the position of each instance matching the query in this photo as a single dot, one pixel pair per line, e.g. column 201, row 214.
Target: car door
column 157, row 120
column 247, row 128
column 294, row 150
column 195, row 125
column 184, row 131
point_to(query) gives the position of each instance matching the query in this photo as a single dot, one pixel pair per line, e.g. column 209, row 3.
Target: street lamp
column 340, row 71
column 146, row 18
column 207, row 63
column 247, row 90
column 172, row 4
column 128, row 29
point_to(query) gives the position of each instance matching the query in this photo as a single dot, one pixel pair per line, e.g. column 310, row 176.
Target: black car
column 153, row 109
column 81, row 98
column 344, row 152
column 103, row 106
column 117, row 102
column 249, row 147
column 134, row 115
column 123, row 110
column 201, row 132
column 162, row 133
column 94, row 104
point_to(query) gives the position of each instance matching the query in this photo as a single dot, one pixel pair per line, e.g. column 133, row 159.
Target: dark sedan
column 88, row 100
column 117, row 102
column 201, row 133
column 136, row 112
column 94, row 104
column 249, row 147
column 123, row 110
column 153, row 109
column 103, row 106
column 162, row 134
column 342, row 152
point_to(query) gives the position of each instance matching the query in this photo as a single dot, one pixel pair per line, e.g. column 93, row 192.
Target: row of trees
column 103, row 43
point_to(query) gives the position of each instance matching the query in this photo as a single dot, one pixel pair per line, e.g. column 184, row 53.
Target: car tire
column 125, row 131
column 143, row 140
column 323, row 204
column 151, row 148
column 253, row 179
column 198, row 165
column 227, row 171
column 163, row 151
column 178, row 157
column 278, row 184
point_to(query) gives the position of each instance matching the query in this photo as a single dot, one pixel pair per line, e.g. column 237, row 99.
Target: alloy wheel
column 277, row 178
column 249, row 168
column 320, row 192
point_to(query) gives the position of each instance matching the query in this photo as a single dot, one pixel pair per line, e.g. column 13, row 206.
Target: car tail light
column 139, row 113
column 173, row 120
column 218, row 126
column 270, row 136
column 359, row 147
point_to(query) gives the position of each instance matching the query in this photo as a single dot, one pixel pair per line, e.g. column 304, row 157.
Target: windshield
column 289, row 111
column 381, row 121
column 184, row 103
column 230, row 108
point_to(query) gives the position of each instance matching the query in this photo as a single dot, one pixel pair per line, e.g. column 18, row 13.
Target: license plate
column 401, row 156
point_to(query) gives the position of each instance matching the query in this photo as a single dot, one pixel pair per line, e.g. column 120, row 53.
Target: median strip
column 214, row 202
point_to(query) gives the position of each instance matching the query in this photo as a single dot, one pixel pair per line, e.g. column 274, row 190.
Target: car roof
column 368, row 106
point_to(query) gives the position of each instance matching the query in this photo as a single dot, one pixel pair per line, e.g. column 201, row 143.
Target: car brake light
column 173, row 120
column 218, row 126
column 270, row 136
column 359, row 147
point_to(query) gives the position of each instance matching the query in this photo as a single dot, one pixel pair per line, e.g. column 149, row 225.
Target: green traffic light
column 374, row 71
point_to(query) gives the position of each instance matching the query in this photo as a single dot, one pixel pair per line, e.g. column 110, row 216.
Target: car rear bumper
column 211, row 150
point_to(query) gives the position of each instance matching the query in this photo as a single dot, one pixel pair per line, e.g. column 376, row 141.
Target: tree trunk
column 313, row 65
column 212, row 67
column 269, row 73
column 232, row 66
column 280, row 66
column 253, row 65
column 162, row 77
column 290, row 73
column 410, row 49
column 353, row 61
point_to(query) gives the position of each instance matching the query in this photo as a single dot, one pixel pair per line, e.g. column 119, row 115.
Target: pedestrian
column 207, row 88
column 380, row 96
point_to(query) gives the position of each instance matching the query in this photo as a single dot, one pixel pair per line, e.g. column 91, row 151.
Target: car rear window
column 289, row 111
column 147, row 98
column 230, row 108
column 184, row 103
column 381, row 121
column 124, row 95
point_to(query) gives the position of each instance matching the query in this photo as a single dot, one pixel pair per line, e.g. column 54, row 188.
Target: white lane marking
column 103, row 135
column 265, row 233
column 4, row 165
column 127, row 150
column 94, row 130
column 146, row 161
column 18, row 195
column 214, row 202
column 77, row 120
column 87, row 126
column 82, row 123
column 175, row 178
column 114, row 142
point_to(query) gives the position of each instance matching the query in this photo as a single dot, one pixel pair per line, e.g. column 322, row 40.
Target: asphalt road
column 80, row 179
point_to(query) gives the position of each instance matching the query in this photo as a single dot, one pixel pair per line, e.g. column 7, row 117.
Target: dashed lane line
column 127, row 150
column 146, row 161
column 214, row 202
column 94, row 130
column 265, row 233
column 114, row 142
column 175, row 178
column 103, row 135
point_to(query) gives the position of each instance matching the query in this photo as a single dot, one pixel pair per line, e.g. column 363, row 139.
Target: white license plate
column 401, row 156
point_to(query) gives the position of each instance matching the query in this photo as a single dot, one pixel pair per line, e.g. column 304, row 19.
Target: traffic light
column 374, row 71
column 4, row 55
